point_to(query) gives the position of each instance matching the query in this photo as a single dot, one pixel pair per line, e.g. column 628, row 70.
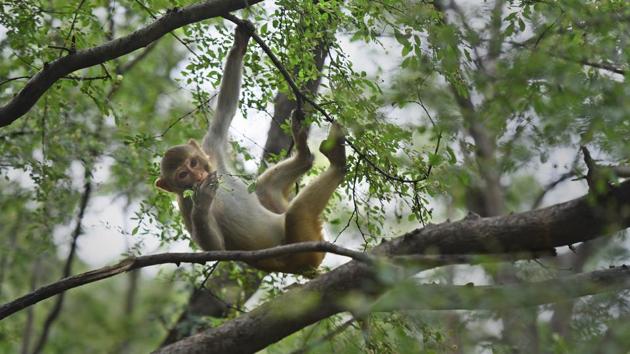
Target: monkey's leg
column 274, row 185
column 302, row 221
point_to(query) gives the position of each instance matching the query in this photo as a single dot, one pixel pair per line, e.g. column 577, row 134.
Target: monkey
column 222, row 214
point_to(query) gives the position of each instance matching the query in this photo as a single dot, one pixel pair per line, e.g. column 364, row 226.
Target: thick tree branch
column 541, row 229
column 177, row 258
column 53, row 71
column 562, row 224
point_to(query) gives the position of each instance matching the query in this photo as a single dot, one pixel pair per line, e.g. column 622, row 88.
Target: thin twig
column 14, row 134
column 547, row 28
column 180, row 118
column 603, row 66
column 380, row 170
column 14, row 78
column 551, row 186
column 131, row 63
column 299, row 96
column 87, row 78
column 27, row 333
column 61, row 48
column 74, row 19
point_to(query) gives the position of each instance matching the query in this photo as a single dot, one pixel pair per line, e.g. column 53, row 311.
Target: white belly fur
column 243, row 221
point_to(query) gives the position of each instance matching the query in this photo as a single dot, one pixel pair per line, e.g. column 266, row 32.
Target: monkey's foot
column 247, row 27
column 333, row 147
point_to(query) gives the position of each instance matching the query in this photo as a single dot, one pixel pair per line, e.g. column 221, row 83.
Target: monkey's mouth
column 202, row 176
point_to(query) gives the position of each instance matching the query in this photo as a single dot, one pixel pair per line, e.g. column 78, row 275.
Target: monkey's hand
column 300, row 129
column 244, row 32
column 205, row 191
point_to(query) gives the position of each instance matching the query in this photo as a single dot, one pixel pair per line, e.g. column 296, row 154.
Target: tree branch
column 53, row 71
column 132, row 263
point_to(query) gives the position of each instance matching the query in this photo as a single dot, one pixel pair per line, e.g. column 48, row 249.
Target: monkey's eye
column 193, row 162
column 182, row 175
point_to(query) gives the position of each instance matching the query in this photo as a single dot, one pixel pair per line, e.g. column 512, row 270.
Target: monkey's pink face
column 182, row 167
column 193, row 170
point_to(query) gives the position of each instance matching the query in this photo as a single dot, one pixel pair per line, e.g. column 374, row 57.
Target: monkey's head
column 182, row 167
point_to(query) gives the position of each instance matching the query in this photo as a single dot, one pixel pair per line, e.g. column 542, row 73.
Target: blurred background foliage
column 452, row 106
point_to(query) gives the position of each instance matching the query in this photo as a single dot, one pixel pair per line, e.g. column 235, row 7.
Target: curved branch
column 21, row 103
column 132, row 263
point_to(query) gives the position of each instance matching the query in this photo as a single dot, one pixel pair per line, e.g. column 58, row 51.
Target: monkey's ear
column 195, row 144
column 162, row 184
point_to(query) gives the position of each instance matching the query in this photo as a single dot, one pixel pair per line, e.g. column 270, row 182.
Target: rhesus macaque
column 222, row 214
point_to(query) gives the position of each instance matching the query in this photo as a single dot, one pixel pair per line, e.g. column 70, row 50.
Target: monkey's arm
column 205, row 232
column 185, row 208
column 215, row 141
column 204, row 229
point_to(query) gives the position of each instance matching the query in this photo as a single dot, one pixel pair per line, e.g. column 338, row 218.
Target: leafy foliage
column 443, row 102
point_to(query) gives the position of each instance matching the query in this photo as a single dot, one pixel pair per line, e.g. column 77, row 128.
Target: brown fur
column 230, row 217
column 302, row 214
